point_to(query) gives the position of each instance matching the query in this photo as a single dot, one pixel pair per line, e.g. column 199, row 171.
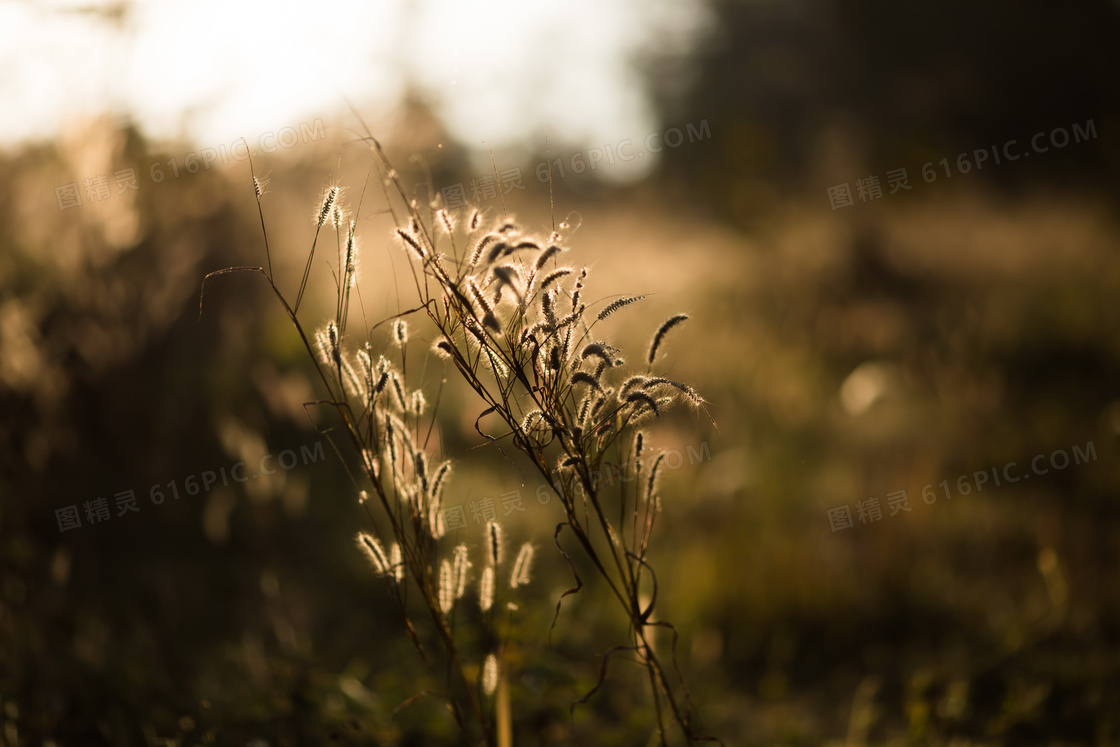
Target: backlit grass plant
column 516, row 323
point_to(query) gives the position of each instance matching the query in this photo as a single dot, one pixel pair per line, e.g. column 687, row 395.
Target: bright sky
column 212, row 70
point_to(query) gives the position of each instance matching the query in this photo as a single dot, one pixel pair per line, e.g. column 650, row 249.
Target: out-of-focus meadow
column 926, row 337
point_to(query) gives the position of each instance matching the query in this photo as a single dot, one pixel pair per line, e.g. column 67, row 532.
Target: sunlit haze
column 210, row 71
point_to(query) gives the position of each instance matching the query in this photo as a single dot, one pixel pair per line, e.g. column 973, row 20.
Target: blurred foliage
column 806, row 94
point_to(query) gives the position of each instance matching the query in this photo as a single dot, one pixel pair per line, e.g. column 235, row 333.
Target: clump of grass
column 388, row 423
column 521, row 336
column 561, row 397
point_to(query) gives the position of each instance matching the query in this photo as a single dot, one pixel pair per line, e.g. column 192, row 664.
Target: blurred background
column 894, row 227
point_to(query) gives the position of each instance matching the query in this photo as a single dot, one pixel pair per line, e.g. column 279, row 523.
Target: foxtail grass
column 520, row 332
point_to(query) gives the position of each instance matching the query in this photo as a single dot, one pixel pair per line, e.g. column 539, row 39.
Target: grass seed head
column 438, row 479
column 327, row 205
column 520, row 574
column 618, row 304
column 660, row 335
column 417, row 404
column 442, row 348
column 413, row 243
column 375, row 552
column 400, row 332
column 582, row 377
column 480, row 246
column 547, row 254
column 446, row 220
column 553, row 276
column 351, row 256
column 641, row 398
column 446, row 587
column 396, row 562
column 486, row 589
column 490, row 675
column 459, row 570
column 494, row 542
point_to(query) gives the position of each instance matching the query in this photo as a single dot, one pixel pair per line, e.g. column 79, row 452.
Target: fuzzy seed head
column 553, row 276
column 417, row 404
column 494, row 542
column 446, row 220
column 490, row 675
column 532, row 419
column 327, row 206
column 459, row 570
column 442, row 348
column 486, row 589
column 400, row 332
column 351, row 256
column 660, row 335
column 582, row 377
column 420, row 465
column 618, row 304
column 413, row 243
column 396, row 562
column 478, row 297
column 438, row 479
column 371, row 546
column 641, row 398
column 480, row 246
column 552, row 250
column 446, row 587
column 435, row 520
column 520, row 574
column 326, row 341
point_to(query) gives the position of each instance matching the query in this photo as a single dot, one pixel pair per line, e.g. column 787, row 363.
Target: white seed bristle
column 446, row 587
